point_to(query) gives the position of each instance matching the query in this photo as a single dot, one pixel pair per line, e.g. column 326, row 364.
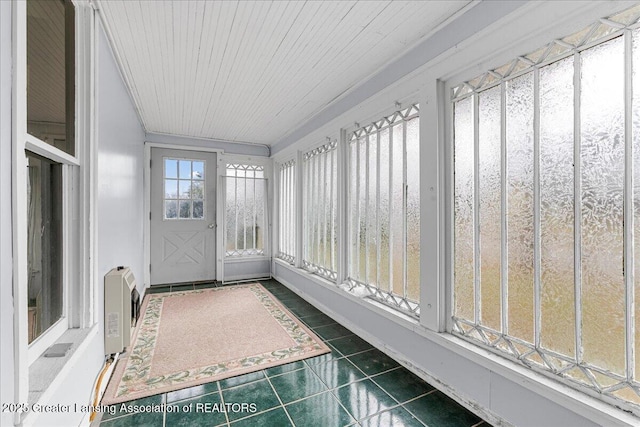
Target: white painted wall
column 6, row 277
column 120, row 176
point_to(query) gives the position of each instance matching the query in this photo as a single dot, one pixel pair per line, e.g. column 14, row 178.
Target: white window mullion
column 310, row 213
column 405, row 264
column 504, row 271
column 378, row 228
column 334, row 219
column 476, row 208
column 629, row 261
column 391, row 228
column 301, row 196
column 577, row 209
column 343, row 251
column 291, row 211
column 283, row 215
column 366, row 211
column 235, row 204
column 358, row 216
column 244, row 213
column 315, row 161
column 254, row 228
column 323, row 202
column 536, row 209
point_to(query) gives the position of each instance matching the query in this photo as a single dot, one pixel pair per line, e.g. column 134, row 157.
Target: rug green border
column 130, row 378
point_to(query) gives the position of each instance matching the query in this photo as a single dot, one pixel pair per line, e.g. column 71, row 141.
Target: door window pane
column 184, row 198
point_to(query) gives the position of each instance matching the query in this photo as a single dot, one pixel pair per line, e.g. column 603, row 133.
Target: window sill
column 242, row 258
column 45, row 371
column 382, row 309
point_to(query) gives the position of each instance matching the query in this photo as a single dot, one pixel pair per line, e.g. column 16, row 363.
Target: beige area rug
column 194, row 337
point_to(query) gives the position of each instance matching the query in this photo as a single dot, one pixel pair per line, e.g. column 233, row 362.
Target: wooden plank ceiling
column 253, row 71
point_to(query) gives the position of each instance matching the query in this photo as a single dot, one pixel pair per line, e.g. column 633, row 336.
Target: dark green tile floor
column 354, row 385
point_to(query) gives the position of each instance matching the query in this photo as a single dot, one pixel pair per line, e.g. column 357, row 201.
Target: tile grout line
column 330, row 390
column 164, row 413
column 414, row 399
column 226, row 416
column 398, row 405
column 280, row 400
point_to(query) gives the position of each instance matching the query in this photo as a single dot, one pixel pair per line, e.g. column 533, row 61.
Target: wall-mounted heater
column 121, row 309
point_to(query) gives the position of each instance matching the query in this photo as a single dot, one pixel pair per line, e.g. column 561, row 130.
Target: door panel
column 183, row 216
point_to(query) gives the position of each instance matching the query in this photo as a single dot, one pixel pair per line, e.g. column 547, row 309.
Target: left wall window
column 51, row 73
column 44, row 245
column 51, row 158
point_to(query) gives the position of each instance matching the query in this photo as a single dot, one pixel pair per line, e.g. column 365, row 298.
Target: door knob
column 212, row 226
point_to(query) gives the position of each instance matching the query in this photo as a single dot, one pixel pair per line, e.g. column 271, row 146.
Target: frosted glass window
column 384, row 200
column 320, row 254
column 546, row 220
column 184, row 189
column 245, row 207
column 287, row 210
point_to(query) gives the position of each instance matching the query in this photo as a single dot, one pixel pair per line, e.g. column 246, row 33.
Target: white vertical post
column 536, row 209
column 278, row 211
column 19, row 205
column 432, row 117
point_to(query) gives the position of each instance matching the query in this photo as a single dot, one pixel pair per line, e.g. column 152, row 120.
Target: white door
column 183, row 216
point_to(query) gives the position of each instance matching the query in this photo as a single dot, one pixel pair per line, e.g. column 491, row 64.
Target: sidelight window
column 245, row 220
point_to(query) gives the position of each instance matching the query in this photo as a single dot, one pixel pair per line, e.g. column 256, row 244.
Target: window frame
column 79, row 187
column 450, row 94
column 291, row 182
column 403, row 115
column 70, row 170
column 319, row 153
column 222, row 171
